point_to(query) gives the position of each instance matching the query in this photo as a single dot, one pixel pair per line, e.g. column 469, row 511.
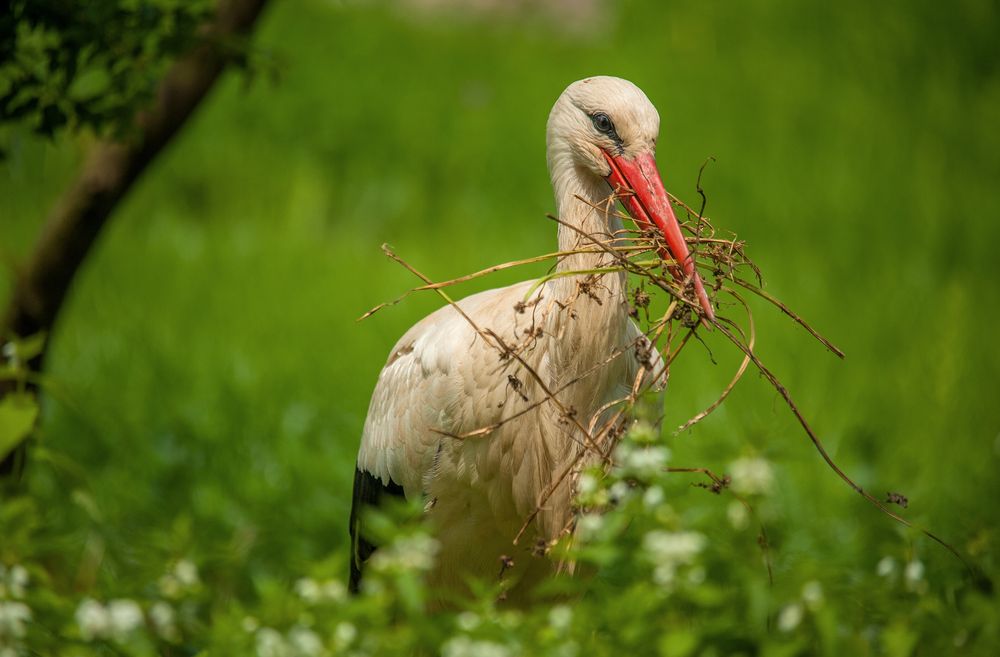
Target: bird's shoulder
column 434, row 381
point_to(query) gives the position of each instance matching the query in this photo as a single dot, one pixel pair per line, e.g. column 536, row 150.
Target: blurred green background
column 208, row 380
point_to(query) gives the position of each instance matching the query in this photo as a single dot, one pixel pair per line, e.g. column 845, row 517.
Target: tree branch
column 110, row 170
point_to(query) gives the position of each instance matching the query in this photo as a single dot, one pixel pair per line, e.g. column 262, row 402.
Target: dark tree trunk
column 107, row 175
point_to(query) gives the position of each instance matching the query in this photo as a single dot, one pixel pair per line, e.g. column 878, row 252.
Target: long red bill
column 649, row 205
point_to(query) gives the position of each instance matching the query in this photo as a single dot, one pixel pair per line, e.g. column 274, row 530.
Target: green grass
column 209, row 381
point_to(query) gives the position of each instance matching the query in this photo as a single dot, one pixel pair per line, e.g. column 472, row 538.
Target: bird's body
column 532, row 362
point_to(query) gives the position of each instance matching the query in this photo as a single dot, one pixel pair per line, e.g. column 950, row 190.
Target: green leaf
column 17, row 418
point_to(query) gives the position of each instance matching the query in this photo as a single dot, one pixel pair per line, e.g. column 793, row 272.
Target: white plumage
column 444, row 379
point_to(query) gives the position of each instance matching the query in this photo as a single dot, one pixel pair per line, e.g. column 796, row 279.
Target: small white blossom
column 790, row 617
column 675, row 547
column 738, row 515
column 467, row 621
column 588, row 525
column 270, row 643
column 13, row 618
column 182, row 577
column 668, row 550
column 619, row 491
column 308, row 589
column 186, row 573
column 643, row 432
column 250, row 624
column 647, row 462
column 664, row 574
column 914, row 575
column 344, row 634
column 560, row 617
column 334, row 590
column 653, row 497
column 306, row 642
column 812, row 595
column 463, row 646
column 886, row 566
column 124, row 617
column 587, row 484
column 15, row 580
column 164, row 621
column 93, row 620
column 415, row 552
column 751, row 476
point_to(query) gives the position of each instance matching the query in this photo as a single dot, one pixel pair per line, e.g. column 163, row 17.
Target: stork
column 448, row 376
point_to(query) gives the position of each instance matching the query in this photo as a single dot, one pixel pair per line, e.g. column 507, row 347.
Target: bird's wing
column 438, row 378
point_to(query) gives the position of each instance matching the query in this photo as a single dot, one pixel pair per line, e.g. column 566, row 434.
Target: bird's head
column 605, row 129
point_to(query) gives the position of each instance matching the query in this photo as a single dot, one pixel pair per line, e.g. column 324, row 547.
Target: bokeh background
column 208, row 380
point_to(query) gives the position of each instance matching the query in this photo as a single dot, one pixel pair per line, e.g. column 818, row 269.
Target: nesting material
column 654, row 282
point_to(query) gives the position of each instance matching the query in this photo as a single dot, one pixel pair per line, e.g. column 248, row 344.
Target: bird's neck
column 594, row 317
column 585, row 215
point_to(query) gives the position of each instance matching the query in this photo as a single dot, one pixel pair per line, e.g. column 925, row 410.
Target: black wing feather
column 368, row 491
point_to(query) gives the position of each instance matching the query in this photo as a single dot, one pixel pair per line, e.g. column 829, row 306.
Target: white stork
column 448, row 376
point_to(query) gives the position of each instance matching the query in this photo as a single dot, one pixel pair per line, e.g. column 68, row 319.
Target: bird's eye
column 603, row 123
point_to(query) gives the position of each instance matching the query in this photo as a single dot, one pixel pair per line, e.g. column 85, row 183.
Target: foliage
column 207, row 383
column 652, row 580
column 88, row 64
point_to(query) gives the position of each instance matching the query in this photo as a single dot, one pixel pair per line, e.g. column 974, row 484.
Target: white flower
column 886, row 566
column 587, row 484
column 467, row 621
column 270, row 643
column 914, row 575
column 334, row 590
column 186, row 573
column 93, row 620
column 619, row 491
column 463, row 646
column 653, row 497
column 16, row 581
column 344, row 634
column 306, row 642
column 664, row 573
column 13, row 617
column 414, row 552
column 643, row 432
column 738, row 515
column 812, row 595
column 672, row 547
column 182, row 577
column 668, row 550
column 647, row 462
column 164, row 621
column 790, row 617
column 560, row 617
column 308, row 589
column 124, row 617
column 751, row 476
column 588, row 525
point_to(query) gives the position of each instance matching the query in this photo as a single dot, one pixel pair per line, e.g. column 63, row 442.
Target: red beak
column 649, row 205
